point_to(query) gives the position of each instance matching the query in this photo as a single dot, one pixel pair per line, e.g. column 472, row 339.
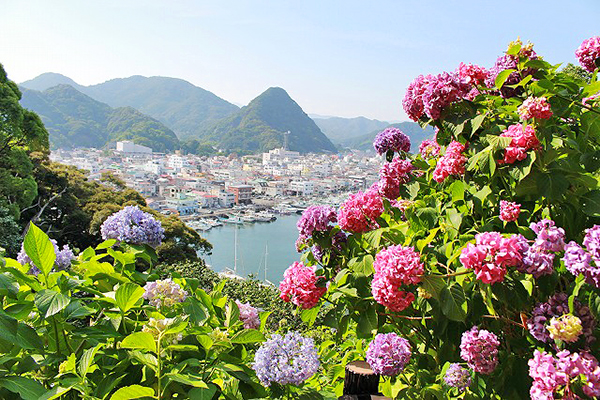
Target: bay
column 273, row 241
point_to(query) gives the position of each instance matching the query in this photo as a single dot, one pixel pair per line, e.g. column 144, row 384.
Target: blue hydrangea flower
column 63, row 258
column 289, row 359
column 134, row 226
column 458, row 377
column 388, row 354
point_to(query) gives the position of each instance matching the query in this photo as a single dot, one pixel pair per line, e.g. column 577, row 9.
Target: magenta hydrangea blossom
column 429, row 148
column 391, row 139
column 535, row 107
column 164, row 293
column 472, row 74
column 360, row 211
column 451, row 163
column 509, row 211
column 523, row 140
column 248, row 315
column 589, row 53
column 392, row 175
column 479, row 348
column 553, row 375
column 299, row 286
column 557, row 306
column 134, row 226
column 394, row 267
column 388, row 354
column 458, row 377
column 62, row 261
column 441, row 91
column 316, row 218
column 491, row 255
column 289, row 359
column 413, row 99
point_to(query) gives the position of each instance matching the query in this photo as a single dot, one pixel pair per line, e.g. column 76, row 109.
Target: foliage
column 556, row 179
column 89, row 332
column 261, row 124
column 193, row 146
column 77, row 120
column 10, row 239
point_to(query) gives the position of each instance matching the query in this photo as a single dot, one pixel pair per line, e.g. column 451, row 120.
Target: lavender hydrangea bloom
column 549, row 237
column 458, row 377
column 479, row 348
column 576, row 259
column 316, row 218
column 556, row 306
column 591, row 241
column 289, row 359
column 388, row 354
column 164, row 293
column 391, row 139
column 132, row 225
column 62, row 261
column 248, row 315
column 317, row 252
column 537, row 262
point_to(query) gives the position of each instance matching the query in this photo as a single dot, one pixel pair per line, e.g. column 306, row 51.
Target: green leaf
column 86, row 360
column 127, row 296
column 19, row 333
column 106, row 244
column 55, row 393
column 196, row 310
column 453, row 302
column 8, row 286
column 457, row 188
column 233, row 314
column 187, row 380
column 590, row 124
column 362, row 265
column 248, row 336
column 202, row 393
column 39, row 249
column 503, row 76
column 590, row 203
column 147, row 359
column 309, row 315
column 433, row 285
column 50, row 302
column 140, row 340
column 132, row 392
column 76, row 310
column 367, row 323
column 26, row 388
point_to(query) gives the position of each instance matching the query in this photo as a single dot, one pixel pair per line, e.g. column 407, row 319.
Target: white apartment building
column 279, row 155
column 302, row 188
column 130, row 147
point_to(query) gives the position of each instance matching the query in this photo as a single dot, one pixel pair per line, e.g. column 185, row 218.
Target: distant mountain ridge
column 183, row 107
column 261, row 125
column 412, row 129
column 340, row 129
column 74, row 119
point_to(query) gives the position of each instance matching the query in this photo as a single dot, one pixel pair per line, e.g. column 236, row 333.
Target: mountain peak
column 48, row 80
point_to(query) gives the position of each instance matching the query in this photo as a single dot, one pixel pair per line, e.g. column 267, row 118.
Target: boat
column 249, row 218
column 264, row 216
column 234, row 219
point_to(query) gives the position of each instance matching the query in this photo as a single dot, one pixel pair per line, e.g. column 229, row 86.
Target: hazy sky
column 343, row 58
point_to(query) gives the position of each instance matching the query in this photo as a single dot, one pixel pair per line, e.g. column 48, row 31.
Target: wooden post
column 361, row 383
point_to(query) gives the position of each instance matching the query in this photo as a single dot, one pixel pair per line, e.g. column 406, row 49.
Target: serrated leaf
column 127, row 296
column 502, row 77
column 86, row 360
column 132, row 392
column 367, row 323
column 140, row 340
column 8, row 287
column 590, row 203
column 433, row 285
column 28, row 389
column 40, row 250
column 50, row 302
column 453, row 302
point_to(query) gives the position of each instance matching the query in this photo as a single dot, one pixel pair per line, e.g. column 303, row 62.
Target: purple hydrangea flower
column 62, row 261
column 132, row 225
column 338, row 241
column 591, row 241
column 557, row 306
column 317, row 252
column 549, row 237
column 289, row 359
column 576, row 259
column 164, row 293
column 388, row 354
column 248, row 315
column 479, row 348
column 316, row 218
column 391, row 139
column 537, row 262
column 458, row 377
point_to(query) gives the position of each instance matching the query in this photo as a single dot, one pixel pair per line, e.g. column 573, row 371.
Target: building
column 279, row 155
column 242, row 193
column 302, row 188
column 130, row 147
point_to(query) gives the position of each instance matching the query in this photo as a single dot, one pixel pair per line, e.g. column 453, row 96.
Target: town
column 237, row 189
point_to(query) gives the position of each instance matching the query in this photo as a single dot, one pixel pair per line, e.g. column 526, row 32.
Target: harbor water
column 258, row 244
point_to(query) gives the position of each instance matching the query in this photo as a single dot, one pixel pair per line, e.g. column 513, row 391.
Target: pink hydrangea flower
column 441, row 91
column 429, row 148
column 535, row 107
column 472, row 74
column 588, row 53
column 509, row 211
column 360, row 211
column 396, row 266
column 248, row 315
column 392, row 175
column 491, row 255
column 299, row 286
column 451, row 163
column 479, row 348
column 413, row 99
column 523, row 140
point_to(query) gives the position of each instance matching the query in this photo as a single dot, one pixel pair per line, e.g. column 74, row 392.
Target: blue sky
column 342, row 58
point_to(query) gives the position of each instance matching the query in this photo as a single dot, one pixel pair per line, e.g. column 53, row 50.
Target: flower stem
column 159, row 366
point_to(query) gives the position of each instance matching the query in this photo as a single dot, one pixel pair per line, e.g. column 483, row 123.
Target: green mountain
column 412, row 129
column 261, row 125
column 340, row 129
column 76, row 120
column 183, row 107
